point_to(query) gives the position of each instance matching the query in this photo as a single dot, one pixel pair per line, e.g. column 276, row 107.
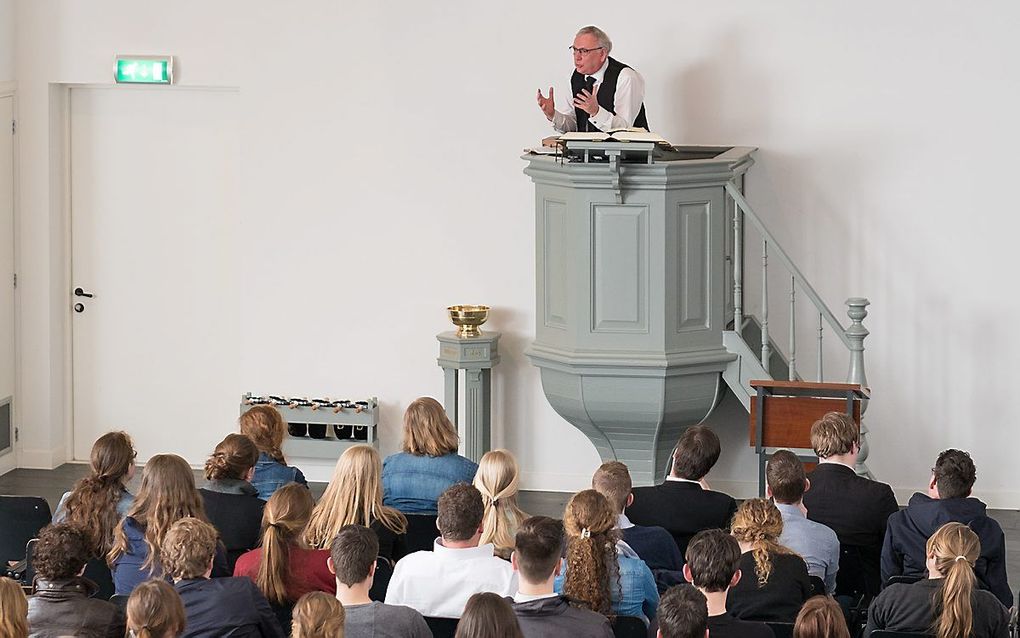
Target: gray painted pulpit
column 630, row 291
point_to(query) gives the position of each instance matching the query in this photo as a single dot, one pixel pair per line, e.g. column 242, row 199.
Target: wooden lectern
column 783, row 412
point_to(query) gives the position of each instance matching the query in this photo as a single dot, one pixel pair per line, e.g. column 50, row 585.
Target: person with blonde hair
column 597, row 574
column 13, row 610
column 488, row 615
column 497, row 479
column 318, row 615
column 231, row 502
column 264, row 425
column 414, row 478
column 167, row 494
column 354, row 496
column 284, row 568
column 213, row 606
column 775, row 580
column 821, row 617
column 155, row 610
column 948, row 603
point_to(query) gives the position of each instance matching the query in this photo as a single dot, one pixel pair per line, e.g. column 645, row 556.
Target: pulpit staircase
column 757, row 354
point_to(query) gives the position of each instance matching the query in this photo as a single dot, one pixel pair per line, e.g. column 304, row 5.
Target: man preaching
column 607, row 94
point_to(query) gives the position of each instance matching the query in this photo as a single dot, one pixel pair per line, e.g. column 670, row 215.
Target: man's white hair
column 599, row 34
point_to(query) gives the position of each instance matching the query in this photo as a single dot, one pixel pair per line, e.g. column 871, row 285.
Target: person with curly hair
column 231, row 501
column 63, row 603
column 600, row 574
column 774, row 582
column 318, row 615
column 13, row 610
column 497, row 479
column 264, row 425
column 155, row 610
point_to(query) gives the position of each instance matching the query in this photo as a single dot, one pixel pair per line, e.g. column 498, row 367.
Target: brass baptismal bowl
column 467, row 319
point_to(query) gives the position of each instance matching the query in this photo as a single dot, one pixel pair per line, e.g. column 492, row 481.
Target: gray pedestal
column 631, row 290
column 476, row 356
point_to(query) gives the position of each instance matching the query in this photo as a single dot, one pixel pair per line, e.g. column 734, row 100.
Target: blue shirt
column 636, row 595
column 127, row 499
column 816, row 544
column 271, row 475
column 413, row 484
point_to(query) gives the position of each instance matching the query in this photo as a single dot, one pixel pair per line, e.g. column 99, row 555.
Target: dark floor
column 50, row 484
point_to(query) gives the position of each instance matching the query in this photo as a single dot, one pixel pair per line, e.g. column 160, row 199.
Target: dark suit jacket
column 856, row 509
column 221, row 607
column 682, row 508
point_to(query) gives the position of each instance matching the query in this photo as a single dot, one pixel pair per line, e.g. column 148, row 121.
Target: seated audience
column 948, row 500
column 854, row 507
column 540, row 611
column 99, row 501
column 497, row 480
column 488, row 615
column 155, row 610
column 438, row 583
column 264, row 425
column 353, row 560
column 713, row 559
column 654, row 545
column 683, row 504
column 231, row 502
column 318, row 615
column 414, row 478
column 354, row 496
column 774, row 582
column 597, row 574
column 948, row 602
column 214, row 606
column 786, row 484
column 13, row 610
column 63, row 603
column 821, row 617
column 683, row 613
column 167, row 494
column 284, row 568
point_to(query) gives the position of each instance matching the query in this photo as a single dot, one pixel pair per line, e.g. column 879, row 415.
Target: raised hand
column 546, row 103
column 588, row 101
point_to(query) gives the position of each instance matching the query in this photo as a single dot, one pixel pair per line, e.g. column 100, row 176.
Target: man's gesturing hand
column 546, row 104
column 587, row 102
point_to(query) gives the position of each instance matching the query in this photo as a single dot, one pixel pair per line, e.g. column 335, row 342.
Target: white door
column 154, row 223
column 6, row 284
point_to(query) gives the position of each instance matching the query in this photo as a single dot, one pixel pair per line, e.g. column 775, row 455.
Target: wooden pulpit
column 783, row 412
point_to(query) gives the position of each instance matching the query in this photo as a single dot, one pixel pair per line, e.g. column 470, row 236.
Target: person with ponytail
column 155, row 610
column 264, row 425
column 318, row 615
column 602, row 574
column 354, row 496
column 13, row 610
column 230, row 500
column 497, row 479
column 284, row 568
column 166, row 495
column 775, row 580
column 948, row 603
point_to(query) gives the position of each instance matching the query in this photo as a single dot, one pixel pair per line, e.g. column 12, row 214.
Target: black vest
column 606, row 96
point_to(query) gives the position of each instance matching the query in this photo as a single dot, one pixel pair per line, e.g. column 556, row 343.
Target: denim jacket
column 271, row 475
column 413, row 484
column 636, row 595
column 127, row 499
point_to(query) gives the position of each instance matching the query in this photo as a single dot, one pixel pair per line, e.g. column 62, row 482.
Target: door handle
column 78, row 292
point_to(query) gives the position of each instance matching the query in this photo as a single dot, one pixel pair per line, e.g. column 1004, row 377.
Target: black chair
column 859, row 572
column 23, row 517
column 885, row 633
column 629, row 627
column 120, row 600
column 906, row 580
column 817, row 586
column 421, row 532
column 98, row 572
column 442, row 627
column 781, row 629
column 383, row 574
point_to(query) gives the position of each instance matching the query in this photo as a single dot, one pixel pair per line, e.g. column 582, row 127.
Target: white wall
column 6, row 40
column 384, row 139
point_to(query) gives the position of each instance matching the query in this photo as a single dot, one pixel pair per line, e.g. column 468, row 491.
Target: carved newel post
column 857, row 310
column 476, row 356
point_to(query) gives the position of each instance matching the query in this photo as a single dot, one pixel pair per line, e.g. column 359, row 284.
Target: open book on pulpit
column 614, row 135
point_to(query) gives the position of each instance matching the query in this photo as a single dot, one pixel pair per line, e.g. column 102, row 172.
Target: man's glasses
column 574, row 50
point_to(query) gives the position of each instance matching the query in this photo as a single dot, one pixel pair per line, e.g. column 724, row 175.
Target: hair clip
column 585, row 533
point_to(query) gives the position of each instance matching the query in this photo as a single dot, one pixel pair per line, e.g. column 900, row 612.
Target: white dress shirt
column 439, row 583
column 630, row 94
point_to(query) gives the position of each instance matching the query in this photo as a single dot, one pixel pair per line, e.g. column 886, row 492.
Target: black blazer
column 682, row 508
column 226, row 607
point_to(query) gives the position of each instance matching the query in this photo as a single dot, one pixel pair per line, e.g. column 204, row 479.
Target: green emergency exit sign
column 144, row 69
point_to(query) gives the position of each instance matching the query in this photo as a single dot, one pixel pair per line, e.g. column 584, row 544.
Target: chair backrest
column 442, row 627
column 120, row 600
column 886, row 633
column 781, row 629
column 817, row 586
column 23, row 517
column 421, row 532
column 629, row 627
column 893, row 580
column 859, row 571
